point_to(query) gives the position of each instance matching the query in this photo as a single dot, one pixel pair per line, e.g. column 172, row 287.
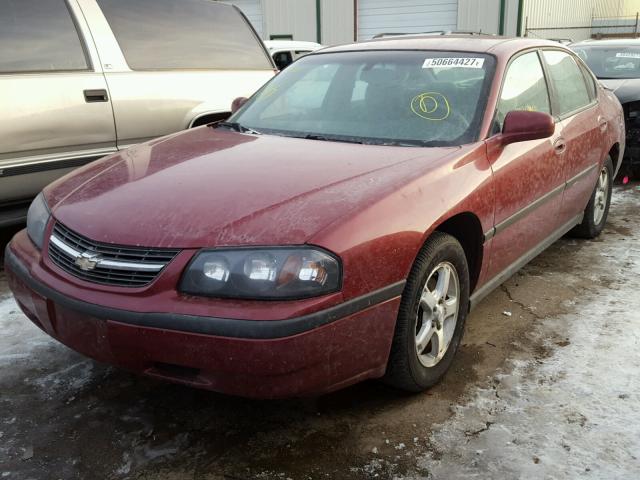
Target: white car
column 284, row 52
column 81, row 79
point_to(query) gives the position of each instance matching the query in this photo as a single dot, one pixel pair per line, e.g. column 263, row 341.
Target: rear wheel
column 431, row 318
column 595, row 215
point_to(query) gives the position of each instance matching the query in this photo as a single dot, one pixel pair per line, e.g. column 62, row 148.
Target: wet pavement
column 545, row 385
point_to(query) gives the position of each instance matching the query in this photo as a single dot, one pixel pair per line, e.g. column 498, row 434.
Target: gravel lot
column 546, row 385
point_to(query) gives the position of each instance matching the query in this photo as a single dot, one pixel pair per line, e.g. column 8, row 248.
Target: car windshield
column 413, row 98
column 614, row 61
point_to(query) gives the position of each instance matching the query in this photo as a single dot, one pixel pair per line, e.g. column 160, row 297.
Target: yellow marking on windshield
column 432, row 106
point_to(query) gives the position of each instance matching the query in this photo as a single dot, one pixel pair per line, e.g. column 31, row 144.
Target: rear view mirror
column 523, row 125
column 238, row 103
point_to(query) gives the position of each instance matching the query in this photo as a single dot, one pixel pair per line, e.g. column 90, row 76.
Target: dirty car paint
column 373, row 206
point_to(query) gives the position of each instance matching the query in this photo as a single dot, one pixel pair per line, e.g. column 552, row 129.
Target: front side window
column 568, row 81
column 39, row 36
column 189, row 34
column 610, row 62
column 395, row 98
column 524, row 88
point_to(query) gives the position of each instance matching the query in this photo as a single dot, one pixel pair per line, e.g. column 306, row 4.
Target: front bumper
column 307, row 355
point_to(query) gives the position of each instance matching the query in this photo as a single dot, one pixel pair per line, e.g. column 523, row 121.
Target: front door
column 56, row 111
column 527, row 176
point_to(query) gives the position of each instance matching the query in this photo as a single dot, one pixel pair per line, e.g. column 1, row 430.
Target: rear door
column 168, row 63
column 528, row 176
column 54, row 103
column 583, row 128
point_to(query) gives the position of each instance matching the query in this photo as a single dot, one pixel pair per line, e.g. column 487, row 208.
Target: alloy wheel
column 437, row 314
column 601, row 197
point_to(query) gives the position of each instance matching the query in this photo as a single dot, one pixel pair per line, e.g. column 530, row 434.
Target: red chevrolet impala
column 338, row 227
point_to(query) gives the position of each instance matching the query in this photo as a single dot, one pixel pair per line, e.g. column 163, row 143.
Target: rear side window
column 524, row 88
column 591, row 84
column 282, row 59
column 189, row 34
column 39, row 36
column 568, row 81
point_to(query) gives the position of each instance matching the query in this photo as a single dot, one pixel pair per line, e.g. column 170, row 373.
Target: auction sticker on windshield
column 457, row 62
column 627, row 55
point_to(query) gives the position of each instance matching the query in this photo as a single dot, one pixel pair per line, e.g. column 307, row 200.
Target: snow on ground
column 22, row 341
column 16, row 333
column 20, row 338
column 574, row 415
column 572, row 411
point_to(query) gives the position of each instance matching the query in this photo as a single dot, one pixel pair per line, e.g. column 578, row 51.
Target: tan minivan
column 80, row 79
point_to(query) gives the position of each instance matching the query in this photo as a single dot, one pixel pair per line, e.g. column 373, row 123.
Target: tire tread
column 588, row 229
column 399, row 373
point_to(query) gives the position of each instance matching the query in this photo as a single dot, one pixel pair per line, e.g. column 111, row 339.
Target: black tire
column 404, row 369
column 589, row 228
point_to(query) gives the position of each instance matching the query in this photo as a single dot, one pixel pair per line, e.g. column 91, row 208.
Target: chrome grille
column 104, row 263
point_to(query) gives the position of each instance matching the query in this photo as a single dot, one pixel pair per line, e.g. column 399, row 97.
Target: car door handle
column 92, row 96
column 559, row 146
column 603, row 126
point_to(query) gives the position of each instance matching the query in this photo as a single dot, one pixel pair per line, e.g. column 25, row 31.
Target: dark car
column 616, row 63
column 338, row 227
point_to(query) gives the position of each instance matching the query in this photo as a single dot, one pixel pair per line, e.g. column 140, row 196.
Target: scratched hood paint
column 209, row 187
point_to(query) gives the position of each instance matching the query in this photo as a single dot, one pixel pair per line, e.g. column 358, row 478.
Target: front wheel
column 597, row 211
column 431, row 318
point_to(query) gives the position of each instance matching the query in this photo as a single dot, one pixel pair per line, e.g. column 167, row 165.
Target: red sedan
column 338, row 227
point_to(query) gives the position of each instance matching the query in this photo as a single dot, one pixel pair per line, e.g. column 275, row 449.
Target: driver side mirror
column 523, row 125
column 238, row 103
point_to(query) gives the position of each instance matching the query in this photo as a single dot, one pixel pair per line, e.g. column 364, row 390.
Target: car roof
column 465, row 42
column 609, row 42
column 291, row 45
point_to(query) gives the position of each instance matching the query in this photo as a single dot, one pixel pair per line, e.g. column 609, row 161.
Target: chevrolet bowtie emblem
column 87, row 261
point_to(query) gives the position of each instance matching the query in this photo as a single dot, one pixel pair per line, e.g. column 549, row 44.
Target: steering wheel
column 459, row 120
column 454, row 123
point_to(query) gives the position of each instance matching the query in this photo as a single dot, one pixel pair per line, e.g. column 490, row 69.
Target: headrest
column 379, row 76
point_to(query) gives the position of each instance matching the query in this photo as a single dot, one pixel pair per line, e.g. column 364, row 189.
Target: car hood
column 209, row 187
column 627, row 90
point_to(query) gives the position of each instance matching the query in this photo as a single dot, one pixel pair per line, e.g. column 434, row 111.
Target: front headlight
column 276, row 273
column 37, row 219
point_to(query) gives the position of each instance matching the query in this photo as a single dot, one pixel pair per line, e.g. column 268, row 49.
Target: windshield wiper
column 416, row 143
column 375, row 141
column 324, row 138
column 238, row 127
